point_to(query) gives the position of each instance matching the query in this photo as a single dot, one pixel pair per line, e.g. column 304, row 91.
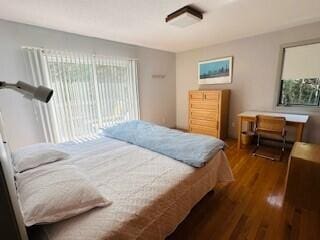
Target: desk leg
column 299, row 132
column 239, row 132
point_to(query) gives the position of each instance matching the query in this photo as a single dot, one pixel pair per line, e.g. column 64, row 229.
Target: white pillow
column 55, row 192
column 35, row 155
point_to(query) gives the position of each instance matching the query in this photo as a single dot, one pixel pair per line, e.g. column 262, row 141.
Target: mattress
column 150, row 193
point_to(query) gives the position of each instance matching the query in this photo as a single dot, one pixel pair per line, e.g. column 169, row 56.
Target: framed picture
column 217, row 71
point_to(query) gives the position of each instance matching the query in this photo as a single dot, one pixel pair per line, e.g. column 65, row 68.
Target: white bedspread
column 151, row 193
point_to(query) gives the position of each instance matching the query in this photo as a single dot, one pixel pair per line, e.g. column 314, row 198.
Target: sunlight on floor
column 275, row 200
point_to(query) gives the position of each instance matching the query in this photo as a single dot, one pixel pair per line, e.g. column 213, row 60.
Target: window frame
column 278, row 104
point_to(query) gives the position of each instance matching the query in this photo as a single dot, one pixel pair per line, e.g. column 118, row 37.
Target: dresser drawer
column 205, row 115
column 213, row 106
column 204, row 123
column 203, row 130
column 211, row 96
column 196, row 95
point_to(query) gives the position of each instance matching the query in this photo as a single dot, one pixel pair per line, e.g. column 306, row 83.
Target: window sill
column 298, row 109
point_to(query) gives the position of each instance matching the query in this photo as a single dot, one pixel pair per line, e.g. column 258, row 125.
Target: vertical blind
column 90, row 92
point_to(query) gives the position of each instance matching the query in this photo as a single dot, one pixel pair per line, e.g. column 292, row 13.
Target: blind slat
column 90, row 92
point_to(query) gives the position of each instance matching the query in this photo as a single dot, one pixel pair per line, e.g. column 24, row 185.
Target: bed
column 150, row 193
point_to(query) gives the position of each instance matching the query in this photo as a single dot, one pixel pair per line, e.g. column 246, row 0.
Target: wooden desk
column 295, row 120
column 303, row 177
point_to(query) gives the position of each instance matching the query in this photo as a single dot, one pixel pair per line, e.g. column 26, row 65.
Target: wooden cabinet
column 208, row 112
column 303, row 177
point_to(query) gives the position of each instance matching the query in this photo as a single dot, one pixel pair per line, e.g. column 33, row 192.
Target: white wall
column 157, row 96
column 254, row 85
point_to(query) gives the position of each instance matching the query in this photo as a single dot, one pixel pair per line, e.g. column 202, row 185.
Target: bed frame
column 12, row 225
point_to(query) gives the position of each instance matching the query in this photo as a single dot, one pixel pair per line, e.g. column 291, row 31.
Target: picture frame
column 215, row 71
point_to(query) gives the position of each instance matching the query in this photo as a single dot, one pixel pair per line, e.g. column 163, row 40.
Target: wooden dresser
column 208, row 112
column 303, row 177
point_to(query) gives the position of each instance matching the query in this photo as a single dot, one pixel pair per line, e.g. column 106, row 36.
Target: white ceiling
column 142, row 22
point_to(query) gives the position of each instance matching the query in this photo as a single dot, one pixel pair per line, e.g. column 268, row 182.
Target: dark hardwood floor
column 251, row 207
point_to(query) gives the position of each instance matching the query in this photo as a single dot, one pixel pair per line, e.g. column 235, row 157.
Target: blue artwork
column 214, row 69
column 217, row 71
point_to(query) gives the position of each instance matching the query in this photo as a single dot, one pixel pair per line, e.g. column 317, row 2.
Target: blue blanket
column 192, row 149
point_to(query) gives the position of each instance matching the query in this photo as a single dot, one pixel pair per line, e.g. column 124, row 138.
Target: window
column 90, row 92
column 300, row 92
column 300, row 76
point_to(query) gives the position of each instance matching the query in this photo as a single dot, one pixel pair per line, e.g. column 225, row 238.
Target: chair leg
column 261, row 155
column 283, row 147
column 257, row 146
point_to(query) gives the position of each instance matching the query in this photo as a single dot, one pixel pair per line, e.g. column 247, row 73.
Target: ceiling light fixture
column 184, row 17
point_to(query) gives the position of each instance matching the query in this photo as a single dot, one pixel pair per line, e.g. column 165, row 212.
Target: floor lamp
column 40, row 93
column 12, row 222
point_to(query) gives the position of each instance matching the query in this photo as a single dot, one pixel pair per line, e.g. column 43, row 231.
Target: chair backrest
column 271, row 124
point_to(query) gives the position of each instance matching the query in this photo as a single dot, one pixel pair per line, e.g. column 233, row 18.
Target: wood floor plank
column 249, row 208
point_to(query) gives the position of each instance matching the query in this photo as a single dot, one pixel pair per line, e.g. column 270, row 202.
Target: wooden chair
column 271, row 126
